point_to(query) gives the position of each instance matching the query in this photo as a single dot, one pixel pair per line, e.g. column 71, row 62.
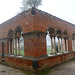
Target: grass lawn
column 21, row 52
column 49, row 50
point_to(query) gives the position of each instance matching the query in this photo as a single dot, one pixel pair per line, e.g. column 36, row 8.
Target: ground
column 67, row 68
column 4, row 70
column 64, row 69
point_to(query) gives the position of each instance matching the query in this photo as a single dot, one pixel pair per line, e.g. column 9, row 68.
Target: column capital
column 52, row 35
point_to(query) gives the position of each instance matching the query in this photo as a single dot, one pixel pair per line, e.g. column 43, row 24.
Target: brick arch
column 59, row 32
column 65, row 33
column 10, row 33
column 73, row 35
column 18, row 30
column 51, row 30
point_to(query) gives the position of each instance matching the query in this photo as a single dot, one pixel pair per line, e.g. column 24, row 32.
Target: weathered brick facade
column 34, row 24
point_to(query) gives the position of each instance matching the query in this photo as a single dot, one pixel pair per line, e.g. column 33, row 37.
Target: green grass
column 21, row 52
column 73, row 59
column 44, row 72
column 49, row 50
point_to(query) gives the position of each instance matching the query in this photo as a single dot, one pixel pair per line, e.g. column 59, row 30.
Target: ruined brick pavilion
column 33, row 26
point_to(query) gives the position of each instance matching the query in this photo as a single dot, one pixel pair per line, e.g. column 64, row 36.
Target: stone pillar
column 19, row 46
column 51, row 45
column 67, row 44
column 74, row 44
column 9, row 46
column 35, row 44
column 58, row 45
column 15, row 46
column 55, row 46
column 61, row 46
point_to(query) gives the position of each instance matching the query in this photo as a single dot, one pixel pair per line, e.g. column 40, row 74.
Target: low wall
column 44, row 63
column 52, row 61
column 17, row 62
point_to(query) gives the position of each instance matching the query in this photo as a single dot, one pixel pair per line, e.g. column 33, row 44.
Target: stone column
column 15, row 46
column 51, row 45
column 67, row 44
column 9, row 46
column 19, row 46
column 55, row 46
column 58, row 45
column 74, row 44
column 61, row 46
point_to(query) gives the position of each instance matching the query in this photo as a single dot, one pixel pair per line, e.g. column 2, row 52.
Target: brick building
column 33, row 26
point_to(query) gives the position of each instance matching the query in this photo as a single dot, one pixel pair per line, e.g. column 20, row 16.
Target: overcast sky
column 64, row 9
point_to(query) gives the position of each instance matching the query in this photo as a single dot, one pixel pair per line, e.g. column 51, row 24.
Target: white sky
column 64, row 9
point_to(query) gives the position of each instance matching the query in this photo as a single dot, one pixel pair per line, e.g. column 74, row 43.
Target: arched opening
column 19, row 41
column 50, row 40
column 65, row 41
column 10, row 41
column 59, row 41
column 48, row 43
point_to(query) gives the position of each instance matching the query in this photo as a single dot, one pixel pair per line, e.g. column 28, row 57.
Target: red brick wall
column 43, row 20
column 55, row 60
column 44, row 63
column 39, row 22
column 35, row 44
column 70, row 45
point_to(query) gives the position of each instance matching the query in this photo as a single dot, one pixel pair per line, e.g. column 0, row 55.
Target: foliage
column 34, row 3
column 26, row 4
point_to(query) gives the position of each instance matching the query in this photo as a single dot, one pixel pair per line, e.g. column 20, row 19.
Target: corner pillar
column 35, row 44
column 70, row 44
